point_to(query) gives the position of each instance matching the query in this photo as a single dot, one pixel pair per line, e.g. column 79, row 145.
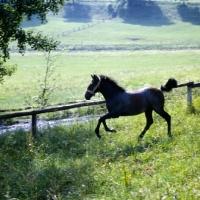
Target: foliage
column 6, row 70
column 12, row 14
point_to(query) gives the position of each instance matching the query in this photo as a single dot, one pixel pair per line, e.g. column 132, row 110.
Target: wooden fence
column 34, row 113
column 189, row 85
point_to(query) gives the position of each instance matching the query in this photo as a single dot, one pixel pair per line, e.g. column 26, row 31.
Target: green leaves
column 39, row 42
column 12, row 14
column 6, row 70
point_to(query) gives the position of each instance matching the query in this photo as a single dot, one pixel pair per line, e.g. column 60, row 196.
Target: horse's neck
column 108, row 90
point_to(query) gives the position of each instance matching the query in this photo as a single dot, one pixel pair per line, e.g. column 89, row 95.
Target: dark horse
column 120, row 102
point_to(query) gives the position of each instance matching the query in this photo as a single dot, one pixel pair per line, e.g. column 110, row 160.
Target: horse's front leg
column 103, row 120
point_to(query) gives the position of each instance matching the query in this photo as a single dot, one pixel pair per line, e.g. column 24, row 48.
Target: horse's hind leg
column 149, row 122
column 167, row 117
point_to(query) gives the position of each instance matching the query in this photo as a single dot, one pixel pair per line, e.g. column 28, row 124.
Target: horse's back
column 146, row 98
column 153, row 97
column 148, row 94
column 136, row 102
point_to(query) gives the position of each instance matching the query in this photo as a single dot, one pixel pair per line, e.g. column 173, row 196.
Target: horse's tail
column 171, row 83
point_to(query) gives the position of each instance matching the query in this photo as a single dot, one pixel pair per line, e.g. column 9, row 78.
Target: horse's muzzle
column 88, row 96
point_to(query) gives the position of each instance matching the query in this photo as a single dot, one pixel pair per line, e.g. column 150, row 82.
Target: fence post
column 34, row 125
column 189, row 96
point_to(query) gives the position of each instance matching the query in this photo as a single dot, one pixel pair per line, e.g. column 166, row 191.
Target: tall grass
column 70, row 162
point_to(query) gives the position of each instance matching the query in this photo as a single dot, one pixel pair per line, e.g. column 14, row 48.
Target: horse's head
column 93, row 87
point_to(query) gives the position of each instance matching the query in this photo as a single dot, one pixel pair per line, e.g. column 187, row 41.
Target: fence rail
column 189, row 85
column 34, row 113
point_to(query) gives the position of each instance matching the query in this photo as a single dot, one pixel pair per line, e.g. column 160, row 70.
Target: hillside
column 149, row 26
column 166, row 12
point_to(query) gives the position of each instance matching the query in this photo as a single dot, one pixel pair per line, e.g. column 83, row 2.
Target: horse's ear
column 96, row 77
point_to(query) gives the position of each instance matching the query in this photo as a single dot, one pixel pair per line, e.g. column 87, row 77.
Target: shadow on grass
column 76, row 12
column 47, row 166
column 142, row 146
column 189, row 14
column 145, row 14
column 61, row 162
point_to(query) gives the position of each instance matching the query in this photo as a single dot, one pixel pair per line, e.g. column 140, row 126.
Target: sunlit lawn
column 133, row 70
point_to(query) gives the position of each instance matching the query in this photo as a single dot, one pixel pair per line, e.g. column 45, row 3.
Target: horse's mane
column 113, row 82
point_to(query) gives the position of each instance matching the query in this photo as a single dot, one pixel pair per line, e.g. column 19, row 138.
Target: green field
column 70, row 162
column 133, row 70
column 116, row 34
column 136, row 53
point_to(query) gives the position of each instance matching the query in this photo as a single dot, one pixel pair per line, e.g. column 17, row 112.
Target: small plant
column 126, row 176
column 47, row 84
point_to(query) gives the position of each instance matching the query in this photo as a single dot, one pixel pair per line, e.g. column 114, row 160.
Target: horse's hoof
column 99, row 136
column 140, row 138
column 171, row 137
column 111, row 130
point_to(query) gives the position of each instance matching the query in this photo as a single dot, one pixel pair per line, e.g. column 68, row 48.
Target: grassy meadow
column 88, row 51
column 133, row 70
column 70, row 162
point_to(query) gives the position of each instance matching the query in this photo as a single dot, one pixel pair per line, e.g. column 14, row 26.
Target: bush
column 111, row 10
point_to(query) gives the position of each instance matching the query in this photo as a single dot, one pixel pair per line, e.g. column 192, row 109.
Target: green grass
column 165, row 29
column 132, row 70
column 125, row 35
column 72, row 163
